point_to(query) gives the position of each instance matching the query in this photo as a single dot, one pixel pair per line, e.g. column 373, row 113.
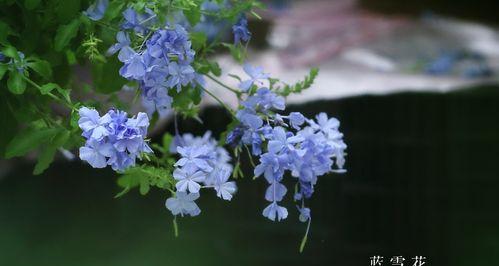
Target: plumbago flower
column 113, row 139
column 202, row 164
column 165, row 50
column 168, row 62
column 162, row 64
column 96, row 11
column 305, row 148
column 240, row 30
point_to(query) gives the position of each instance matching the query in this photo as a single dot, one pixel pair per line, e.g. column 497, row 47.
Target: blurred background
column 415, row 86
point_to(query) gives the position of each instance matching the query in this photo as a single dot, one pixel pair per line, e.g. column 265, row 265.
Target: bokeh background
column 423, row 137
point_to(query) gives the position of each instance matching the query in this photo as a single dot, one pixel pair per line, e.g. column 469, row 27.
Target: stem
column 250, row 156
column 219, row 101
column 175, row 226
column 238, row 93
column 109, row 26
column 51, row 95
column 305, row 237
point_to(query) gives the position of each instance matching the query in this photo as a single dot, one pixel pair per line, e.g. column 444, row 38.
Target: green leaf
column 167, row 140
column 31, row 4
column 186, row 100
column 11, row 52
column 100, row 76
column 49, row 87
column 47, row 156
column 193, row 15
column 301, row 85
column 45, row 89
column 3, row 69
column 5, row 31
column 133, row 177
column 41, row 67
column 215, row 69
column 236, row 51
column 144, row 185
column 198, row 40
column 44, row 160
column 16, row 83
column 28, row 140
column 114, row 9
column 71, row 57
column 65, row 33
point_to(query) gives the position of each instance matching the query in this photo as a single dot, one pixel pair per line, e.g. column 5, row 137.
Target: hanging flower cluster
column 165, row 50
column 113, row 139
column 306, row 148
column 162, row 64
column 202, row 164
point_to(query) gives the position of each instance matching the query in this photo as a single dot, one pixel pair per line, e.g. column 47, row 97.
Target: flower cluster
column 306, row 148
column 162, row 64
column 202, row 164
column 113, row 139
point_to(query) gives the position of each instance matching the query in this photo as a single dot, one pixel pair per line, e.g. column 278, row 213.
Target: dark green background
column 422, row 180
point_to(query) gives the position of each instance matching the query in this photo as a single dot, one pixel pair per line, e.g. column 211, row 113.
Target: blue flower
column 96, row 10
column 183, row 204
column 264, row 100
column 215, row 156
column 256, row 76
column 304, row 214
column 93, row 126
column 273, row 211
column 134, row 66
column 324, row 123
column 95, row 153
column 272, row 166
column 139, row 22
column 180, row 75
column 123, row 41
column 210, row 24
column 19, row 63
column 275, row 192
column 224, row 188
column 296, row 120
column 240, row 30
column 164, row 64
column 249, row 118
column 171, row 42
column 188, row 179
column 194, row 156
column 113, row 139
column 281, row 141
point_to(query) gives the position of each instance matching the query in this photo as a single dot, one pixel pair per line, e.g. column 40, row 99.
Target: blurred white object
column 369, row 59
column 359, row 52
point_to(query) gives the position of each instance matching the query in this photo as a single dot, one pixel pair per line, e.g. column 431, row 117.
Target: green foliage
column 100, row 75
column 47, row 155
column 186, row 101
column 28, row 140
column 65, row 33
column 41, row 67
column 238, row 52
column 198, row 40
column 31, row 4
column 301, row 85
column 16, row 83
column 144, row 177
column 193, row 15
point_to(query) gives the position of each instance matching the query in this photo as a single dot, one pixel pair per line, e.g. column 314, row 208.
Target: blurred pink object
column 314, row 31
